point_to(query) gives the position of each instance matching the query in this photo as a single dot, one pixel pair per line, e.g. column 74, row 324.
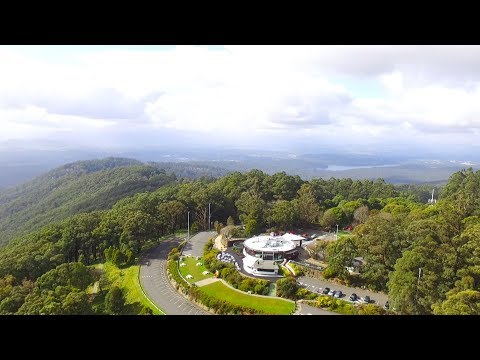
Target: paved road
column 195, row 245
column 312, row 310
column 156, row 284
column 314, row 284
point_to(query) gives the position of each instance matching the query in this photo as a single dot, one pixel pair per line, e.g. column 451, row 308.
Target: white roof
column 292, row 237
column 269, row 243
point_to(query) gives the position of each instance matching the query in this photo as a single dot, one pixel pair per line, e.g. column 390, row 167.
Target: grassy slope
column 270, row 306
column 128, row 280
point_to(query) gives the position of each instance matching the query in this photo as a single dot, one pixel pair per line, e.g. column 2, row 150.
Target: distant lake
column 341, row 167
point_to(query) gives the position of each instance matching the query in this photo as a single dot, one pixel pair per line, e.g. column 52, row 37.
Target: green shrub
column 226, row 272
column 301, row 293
column 324, row 301
column 260, row 289
column 173, row 253
column 298, row 269
column 238, row 232
column 285, row 271
column 211, row 263
column 370, row 309
column 246, row 284
column 195, row 227
column 329, row 273
column 337, row 305
column 252, row 227
column 287, row 288
column 208, row 246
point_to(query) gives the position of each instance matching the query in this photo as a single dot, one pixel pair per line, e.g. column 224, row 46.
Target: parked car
column 331, row 292
column 325, row 291
column 353, row 297
column 338, row 294
column 366, row 299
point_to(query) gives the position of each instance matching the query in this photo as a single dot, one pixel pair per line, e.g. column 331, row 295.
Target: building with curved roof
column 263, row 254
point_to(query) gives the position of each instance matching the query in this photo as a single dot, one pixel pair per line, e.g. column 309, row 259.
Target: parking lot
column 317, row 285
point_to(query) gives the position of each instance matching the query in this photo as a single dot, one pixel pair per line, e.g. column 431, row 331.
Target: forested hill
column 191, row 169
column 48, row 270
column 54, row 178
column 73, row 188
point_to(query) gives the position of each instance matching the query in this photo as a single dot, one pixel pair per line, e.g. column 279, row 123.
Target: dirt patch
column 206, row 281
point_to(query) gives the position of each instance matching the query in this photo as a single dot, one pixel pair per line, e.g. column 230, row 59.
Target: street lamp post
column 418, row 283
column 209, row 216
column 188, row 225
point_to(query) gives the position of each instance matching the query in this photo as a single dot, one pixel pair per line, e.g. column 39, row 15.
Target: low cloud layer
column 367, row 96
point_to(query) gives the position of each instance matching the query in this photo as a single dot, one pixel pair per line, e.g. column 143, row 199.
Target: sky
column 361, row 99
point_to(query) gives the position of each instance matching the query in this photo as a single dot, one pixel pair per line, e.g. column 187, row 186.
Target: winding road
column 153, row 275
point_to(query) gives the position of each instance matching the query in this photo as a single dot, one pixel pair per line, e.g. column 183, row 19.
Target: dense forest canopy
column 85, row 186
column 395, row 231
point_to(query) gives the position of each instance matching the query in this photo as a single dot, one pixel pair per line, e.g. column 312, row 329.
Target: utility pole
column 418, row 283
column 336, row 235
column 209, row 217
column 188, row 225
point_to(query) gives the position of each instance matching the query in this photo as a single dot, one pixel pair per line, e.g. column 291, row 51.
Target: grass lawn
column 192, row 269
column 342, row 233
column 270, row 306
column 128, row 280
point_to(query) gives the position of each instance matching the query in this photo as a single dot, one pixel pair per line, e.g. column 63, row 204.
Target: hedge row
column 173, row 271
column 337, row 305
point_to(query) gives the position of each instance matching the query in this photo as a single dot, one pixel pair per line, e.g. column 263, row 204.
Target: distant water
column 341, row 167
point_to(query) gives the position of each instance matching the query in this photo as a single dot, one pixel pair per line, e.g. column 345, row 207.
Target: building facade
column 263, row 254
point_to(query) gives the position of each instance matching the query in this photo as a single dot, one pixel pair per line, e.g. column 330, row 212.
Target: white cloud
column 244, row 90
column 34, row 122
column 393, row 82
